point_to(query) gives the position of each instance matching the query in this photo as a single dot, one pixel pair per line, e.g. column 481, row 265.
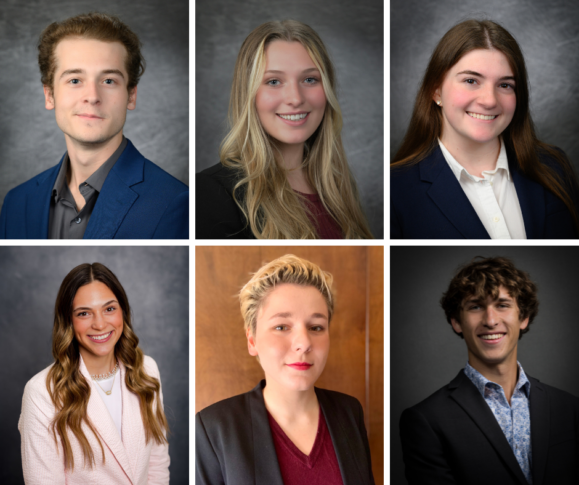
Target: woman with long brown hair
column 96, row 414
column 471, row 165
column 283, row 172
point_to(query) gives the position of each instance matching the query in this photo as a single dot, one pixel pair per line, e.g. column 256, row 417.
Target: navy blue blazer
column 453, row 438
column 427, row 202
column 138, row 200
column 234, row 445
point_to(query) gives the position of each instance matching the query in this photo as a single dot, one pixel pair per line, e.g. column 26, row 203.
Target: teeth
column 481, row 117
column 101, row 337
column 492, row 337
column 294, row 117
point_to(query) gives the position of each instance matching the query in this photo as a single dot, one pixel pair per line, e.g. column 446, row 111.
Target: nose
column 293, row 94
column 488, row 97
column 491, row 316
column 91, row 93
column 302, row 341
column 98, row 321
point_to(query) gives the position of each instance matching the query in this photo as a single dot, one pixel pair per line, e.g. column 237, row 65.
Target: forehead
column 87, row 54
column 297, row 299
column 503, row 294
column 488, row 62
column 95, row 291
column 283, row 56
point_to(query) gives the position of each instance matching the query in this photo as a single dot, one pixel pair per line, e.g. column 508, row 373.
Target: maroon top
column 325, row 224
column 320, row 467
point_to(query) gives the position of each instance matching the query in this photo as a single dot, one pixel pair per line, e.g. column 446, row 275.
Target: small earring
column 438, row 103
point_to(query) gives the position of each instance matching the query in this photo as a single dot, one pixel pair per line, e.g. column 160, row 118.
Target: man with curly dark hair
column 492, row 423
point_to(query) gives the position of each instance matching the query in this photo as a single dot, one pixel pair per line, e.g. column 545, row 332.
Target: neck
column 289, row 406
column 505, row 374
column 474, row 157
column 98, row 364
column 292, row 158
column 87, row 158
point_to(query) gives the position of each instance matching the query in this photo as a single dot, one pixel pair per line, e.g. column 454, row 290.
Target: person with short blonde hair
column 285, row 431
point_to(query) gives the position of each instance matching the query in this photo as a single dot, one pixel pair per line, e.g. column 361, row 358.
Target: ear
column 251, row 342
column 456, row 325
column 132, row 104
column 48, row 97
column 524, row 324
column 436, row 96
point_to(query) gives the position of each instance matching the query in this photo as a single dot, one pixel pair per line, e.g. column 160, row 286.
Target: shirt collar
column 481, row 381
column 458, row 169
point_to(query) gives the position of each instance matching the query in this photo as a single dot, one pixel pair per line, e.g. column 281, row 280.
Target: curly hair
column 287, row 269
column 68, row 388
column 482, row 278
column 97, row 26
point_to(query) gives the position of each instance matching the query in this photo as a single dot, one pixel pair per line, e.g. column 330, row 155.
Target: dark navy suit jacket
column 453, row 438
column 234, row 445
column 427, row 202
column 138, row 200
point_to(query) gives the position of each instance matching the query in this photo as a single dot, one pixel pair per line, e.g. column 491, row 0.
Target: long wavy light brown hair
column 426, row 124
column 273, row 210
column 68, row 388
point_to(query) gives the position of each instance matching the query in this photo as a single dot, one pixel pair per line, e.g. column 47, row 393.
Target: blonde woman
column 95, row 415
column 283, row 172
column 285, row 431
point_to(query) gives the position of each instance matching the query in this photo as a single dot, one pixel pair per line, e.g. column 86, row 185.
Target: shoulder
column 36, row 395
column 219, row 174
column 339, row 398
column 438, row 403
column 555, row 394
column 233, row 408
column 30, row 185
column 151, row 367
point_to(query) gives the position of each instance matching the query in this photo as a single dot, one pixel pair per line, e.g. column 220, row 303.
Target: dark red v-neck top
column 325, row 224
column 320, row 467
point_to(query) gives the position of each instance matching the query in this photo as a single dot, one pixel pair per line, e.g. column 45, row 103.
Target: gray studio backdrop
column 156, row 280
column 547, row 31
column 426, row 354
column 31, row 141
column 353, row 32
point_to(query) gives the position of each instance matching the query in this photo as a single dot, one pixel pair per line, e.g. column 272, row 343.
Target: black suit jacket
column 453, row 437
column 217, row 216
column 234, row 446
column 427, row 202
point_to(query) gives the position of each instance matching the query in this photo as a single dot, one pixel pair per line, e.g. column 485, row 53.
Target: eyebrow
column 311, row 69
column 498, row 300
column 474, row 73
column 82, row 71
column 89, row 308
column 290, row 314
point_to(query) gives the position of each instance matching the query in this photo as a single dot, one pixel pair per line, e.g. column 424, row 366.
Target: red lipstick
column 300, row 365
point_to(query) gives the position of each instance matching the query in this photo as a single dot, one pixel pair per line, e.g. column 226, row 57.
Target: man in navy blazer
column 427, row 202
column 492, row 423
column 103, row 188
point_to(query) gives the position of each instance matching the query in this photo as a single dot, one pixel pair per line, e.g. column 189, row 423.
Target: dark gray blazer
column 453, row 438
column 234, row 446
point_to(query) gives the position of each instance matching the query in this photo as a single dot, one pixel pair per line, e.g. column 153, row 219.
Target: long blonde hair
column 68, row 388
column 272, row 209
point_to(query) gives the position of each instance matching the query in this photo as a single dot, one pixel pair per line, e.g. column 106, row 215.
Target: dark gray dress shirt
column 65, row 221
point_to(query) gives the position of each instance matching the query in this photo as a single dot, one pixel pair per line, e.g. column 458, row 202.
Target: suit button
column 78, row 220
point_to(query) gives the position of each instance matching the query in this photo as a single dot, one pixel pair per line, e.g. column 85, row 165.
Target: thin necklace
column 114, row 374
column 101, row 377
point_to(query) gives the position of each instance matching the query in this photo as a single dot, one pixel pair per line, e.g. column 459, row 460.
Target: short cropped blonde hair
column 287, row 269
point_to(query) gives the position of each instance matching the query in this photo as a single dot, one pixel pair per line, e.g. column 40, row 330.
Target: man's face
column 90, row 96
column 491, row 330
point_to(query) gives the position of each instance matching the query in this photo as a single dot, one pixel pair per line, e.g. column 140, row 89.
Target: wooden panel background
column 223, row 366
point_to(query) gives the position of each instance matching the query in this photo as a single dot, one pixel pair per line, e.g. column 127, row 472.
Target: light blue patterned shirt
column 514, row 419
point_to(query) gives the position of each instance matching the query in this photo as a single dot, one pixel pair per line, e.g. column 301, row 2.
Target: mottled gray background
column 353, row 33
column 547, row 31
column 156, row 280
column 31, row 141
column 425, row 353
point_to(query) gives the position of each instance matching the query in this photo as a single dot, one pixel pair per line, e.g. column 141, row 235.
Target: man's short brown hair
column 97, row 26
column 483, row 277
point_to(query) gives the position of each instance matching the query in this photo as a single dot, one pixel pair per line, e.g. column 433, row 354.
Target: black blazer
column 217, row 216
column 234, row 446
column 453, row 437
column 427, row 202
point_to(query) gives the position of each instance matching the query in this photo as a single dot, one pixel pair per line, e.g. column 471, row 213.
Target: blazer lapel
column 468, row 397
column 531, row 197
column 116, row 196
column 351, row 474
column 539, row 430
column 449, row 197
column 267, row 470
column 103, row 423
column 38, row 205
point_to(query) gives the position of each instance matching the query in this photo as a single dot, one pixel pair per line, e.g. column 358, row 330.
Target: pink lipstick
column 300, row 365
column 100, row 340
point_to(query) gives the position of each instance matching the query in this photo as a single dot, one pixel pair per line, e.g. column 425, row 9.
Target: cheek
column 317, row 97
column 266, row 102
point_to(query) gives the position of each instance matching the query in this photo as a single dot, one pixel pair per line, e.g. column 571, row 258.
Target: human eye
column 82, row 314
column 280, row 328
column 471, row 81
column 507, row 86
column 311, row 80
column 110, row 309
column 273, row 82
column 317, row 328
column 109, row 81
column 74, row 81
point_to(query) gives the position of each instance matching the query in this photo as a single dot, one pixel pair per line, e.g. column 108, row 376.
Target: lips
column 481, row 117
column 99, row 339
column 300, row 365
column 492, row 338
column 295, row 119
column 89, row 116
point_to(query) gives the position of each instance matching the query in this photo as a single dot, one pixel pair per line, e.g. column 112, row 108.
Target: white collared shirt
column 493, row 197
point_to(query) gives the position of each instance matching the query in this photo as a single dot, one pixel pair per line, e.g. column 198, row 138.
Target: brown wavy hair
column 68, row 388
column 482, row 278
column 426, row 124
column 97, row 26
